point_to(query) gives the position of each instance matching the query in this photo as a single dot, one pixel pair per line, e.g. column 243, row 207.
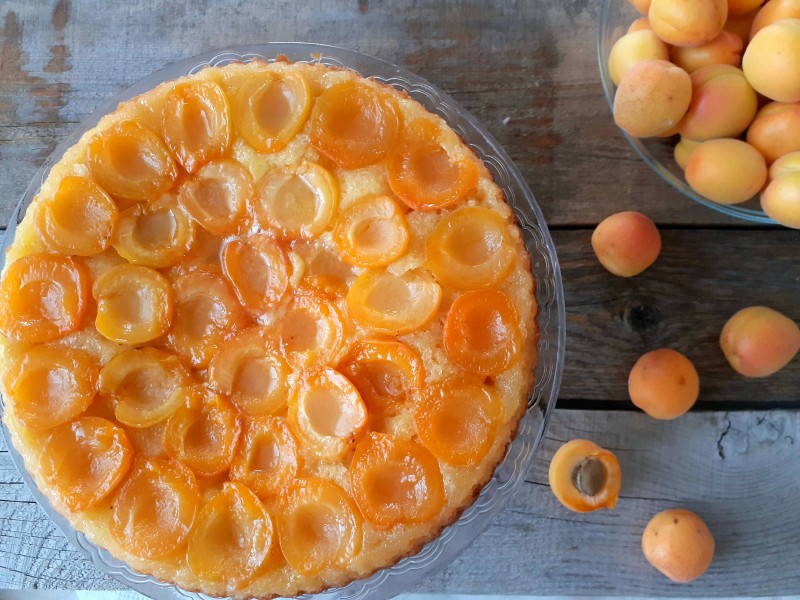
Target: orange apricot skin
column 781, row 200
column 759, row 341
column 688, row 22
column 772, row 11
column 725, row 49
column 678, row 543
column 664, row 384
column 626, row 243
column 652, row 98
column 632, row 48
column 566, row 460
column 683, row 150
column 772, row 61
column 738, row 8
column 776, row 130
column 727, row 171
column 643, row 6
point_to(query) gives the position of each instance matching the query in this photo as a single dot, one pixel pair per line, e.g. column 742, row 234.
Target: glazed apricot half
column 266, row 459
column 207, row 314
column 195, row 122
column 319, row 526
column 232, row 537
column 84, row 460
column 157, row 234
column 471, row 248
column 252, row 372
column 385, row 373
column 43, row 297
column 311, row 331
column 131, row 162
column 79, row 219
column 147, row 384
column 584, row 477
column 269, row 109
column 354, row 125
column 372, row 232
column 218, row 196
column 457, row 420
column 326, row 413
column 155, row 507
column 297, row 203
column 203, row 433
column 482, row 332
column 258, row 270
column 394, row 304
column 429, row 169
column 134, row 304
column 51, row 386
column 395, row 481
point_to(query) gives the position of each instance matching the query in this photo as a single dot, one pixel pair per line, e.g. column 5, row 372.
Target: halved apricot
column 354, row 125
column 326, row 412
column 51, row 386
column 43, row 297
column 297, row 203
column 156, row 235
column 311, row 331
column 584, row 477
column 147, row 384
column 252, row 372
column 471, row 248
column 204, row 255
column 266, row 460
column 195, row 121
column 457, row 420
column 482, row 332
column 155, row 508
column 394, row 304
column 385, row 373
column 395, row 481
column 319, row 526
column 323, row 268
column 429, row 169
column 134, row 304
column 84, row 460
column 130, row 161
column 372, row 232
column 270, row 108
column 79, row 219
column 203, row 433
column 218, row 196
column 258, row 270
column 232, row 537
column 206, row 315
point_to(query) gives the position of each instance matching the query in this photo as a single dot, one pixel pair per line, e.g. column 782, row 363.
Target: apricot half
column 626, row 243
column 759, row 341
column 267, row 458
column 584, row 477
column 311, row 331
column 258, row 271
column 372, row 232
column 218, row 196
column 678, row 543
column 771, row 61
column 664, row 384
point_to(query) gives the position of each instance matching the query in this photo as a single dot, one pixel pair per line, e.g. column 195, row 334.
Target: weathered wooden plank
column 527, row 70
column 734, row 469
column 701, row 278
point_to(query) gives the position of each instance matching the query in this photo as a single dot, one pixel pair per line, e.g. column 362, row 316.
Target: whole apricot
column 776, row 130
column 678, row 543
column 643, row 6
column 688, row 22
column 740, row 25
column 759, row 341
column 788, row 163
column 723, row 104
column 683, row 150
column 664, row 384
column 652, row 98
column 726, row 171
column 772, row 11
column 626, row 243
column 584, row 477
column 633, row 48
column 781, row 200
column 725, row 49
column 640, row 24
column 737, row 8
column 771, row 61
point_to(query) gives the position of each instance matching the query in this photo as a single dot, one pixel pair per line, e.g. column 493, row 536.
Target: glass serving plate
column 615, row 18
column 549, row 294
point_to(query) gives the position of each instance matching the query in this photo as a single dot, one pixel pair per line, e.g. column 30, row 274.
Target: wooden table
column 527, row 70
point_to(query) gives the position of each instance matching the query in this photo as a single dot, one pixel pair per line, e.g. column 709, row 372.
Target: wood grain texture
column 526, row 69
column 736, row 470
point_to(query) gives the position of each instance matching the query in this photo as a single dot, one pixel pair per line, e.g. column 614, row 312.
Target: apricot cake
column 266, row 329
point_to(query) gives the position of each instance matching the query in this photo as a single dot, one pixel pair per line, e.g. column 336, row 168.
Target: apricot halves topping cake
column 266, row 329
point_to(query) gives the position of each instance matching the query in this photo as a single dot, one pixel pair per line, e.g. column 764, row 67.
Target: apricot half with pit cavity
column 584, row 477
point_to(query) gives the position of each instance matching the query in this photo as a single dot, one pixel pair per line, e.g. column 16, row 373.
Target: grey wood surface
column 527, row 70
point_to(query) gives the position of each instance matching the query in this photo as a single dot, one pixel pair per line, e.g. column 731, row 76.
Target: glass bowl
column 615, row 18
column 549, row 294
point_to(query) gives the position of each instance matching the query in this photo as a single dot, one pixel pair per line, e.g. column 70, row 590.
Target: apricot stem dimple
column 589, row 477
